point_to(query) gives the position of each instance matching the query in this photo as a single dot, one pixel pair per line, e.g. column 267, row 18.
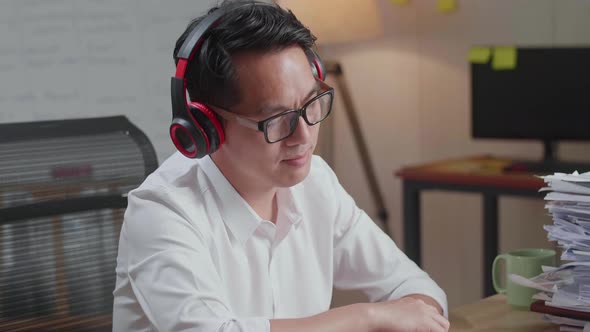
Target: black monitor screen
column 547, row 96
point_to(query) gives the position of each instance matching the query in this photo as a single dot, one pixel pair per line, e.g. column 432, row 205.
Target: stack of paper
column 565, row 291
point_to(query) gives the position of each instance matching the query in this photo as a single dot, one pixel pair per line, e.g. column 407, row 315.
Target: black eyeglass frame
column 301, row 112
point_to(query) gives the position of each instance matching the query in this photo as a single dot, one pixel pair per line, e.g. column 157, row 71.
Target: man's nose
column 301, row 133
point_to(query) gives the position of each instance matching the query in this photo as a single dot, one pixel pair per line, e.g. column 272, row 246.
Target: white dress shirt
column 194, row 256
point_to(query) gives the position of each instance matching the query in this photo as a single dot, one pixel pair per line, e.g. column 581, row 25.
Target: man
column 255, row 236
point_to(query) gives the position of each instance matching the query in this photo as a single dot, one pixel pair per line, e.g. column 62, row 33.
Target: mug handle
column 495, row 274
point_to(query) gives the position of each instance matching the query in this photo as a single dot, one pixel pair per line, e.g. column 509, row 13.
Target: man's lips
column 296, row 157
column 299, row 155
column 297, row 160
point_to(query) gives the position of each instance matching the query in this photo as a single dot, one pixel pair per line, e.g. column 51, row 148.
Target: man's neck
column 262, row 199
column 264, row 205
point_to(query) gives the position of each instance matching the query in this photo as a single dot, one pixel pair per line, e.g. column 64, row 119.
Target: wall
column 411, row 89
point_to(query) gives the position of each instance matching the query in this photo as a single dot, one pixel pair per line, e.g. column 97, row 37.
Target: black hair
column 245, row 26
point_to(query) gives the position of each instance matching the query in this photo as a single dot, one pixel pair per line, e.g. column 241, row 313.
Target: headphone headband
column 196, row 37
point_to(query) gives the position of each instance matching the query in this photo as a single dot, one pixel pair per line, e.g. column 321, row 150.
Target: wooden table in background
column 492, row 314
column 482, row 175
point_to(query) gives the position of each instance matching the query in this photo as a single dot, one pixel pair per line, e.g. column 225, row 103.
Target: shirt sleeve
column 171, row 272
column 367, row 259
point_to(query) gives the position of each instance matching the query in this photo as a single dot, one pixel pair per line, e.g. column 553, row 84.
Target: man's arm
column 365, row 258
column 370, row 258
column 428, row 300
column 406, row 314
column 353, row 318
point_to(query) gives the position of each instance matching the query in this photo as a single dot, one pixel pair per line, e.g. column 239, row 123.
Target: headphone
column 196, row 131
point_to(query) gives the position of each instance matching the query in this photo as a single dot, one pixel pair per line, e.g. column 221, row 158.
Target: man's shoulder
column 318, row 162
column 173, row 192
column 177, row 175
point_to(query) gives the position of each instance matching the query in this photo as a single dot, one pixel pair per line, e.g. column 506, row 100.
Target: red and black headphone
column 196, row 130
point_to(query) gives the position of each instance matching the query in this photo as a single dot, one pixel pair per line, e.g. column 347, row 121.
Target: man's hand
column 405, row 315
column 427, row 300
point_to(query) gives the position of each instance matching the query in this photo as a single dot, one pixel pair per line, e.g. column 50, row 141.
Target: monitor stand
column 549, row 165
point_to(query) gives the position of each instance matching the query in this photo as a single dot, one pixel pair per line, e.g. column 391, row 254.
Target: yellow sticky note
column 399, row 2
column 446, row 6
column 504, row 58
column 480, row 54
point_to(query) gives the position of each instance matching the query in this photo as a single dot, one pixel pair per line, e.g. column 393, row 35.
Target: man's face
column 271, row 83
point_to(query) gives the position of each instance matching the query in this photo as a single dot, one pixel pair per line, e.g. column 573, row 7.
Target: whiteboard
column 85, row 58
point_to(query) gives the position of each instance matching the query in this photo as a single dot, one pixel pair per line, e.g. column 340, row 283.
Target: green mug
column 526, row 263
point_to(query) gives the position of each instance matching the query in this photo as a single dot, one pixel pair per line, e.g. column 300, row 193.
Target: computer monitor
column 546, row 97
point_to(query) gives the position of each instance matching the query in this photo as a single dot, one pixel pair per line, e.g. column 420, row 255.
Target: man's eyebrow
column 275, row 109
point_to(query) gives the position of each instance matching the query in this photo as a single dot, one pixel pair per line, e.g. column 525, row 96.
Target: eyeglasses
column 282, row 125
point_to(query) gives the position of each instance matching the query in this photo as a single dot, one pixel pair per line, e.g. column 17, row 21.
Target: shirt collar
column 237, row 214
column 289, row 208
column 239, row 217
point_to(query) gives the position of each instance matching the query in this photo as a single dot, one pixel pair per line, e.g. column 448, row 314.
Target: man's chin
column 292, row 177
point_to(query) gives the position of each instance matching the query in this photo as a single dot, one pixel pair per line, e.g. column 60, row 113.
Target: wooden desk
column 477, row 174
column 493, row 314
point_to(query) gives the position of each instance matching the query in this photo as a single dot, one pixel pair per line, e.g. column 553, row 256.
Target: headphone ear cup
column 210, row 123
column 188, row 138
column 317, row 66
